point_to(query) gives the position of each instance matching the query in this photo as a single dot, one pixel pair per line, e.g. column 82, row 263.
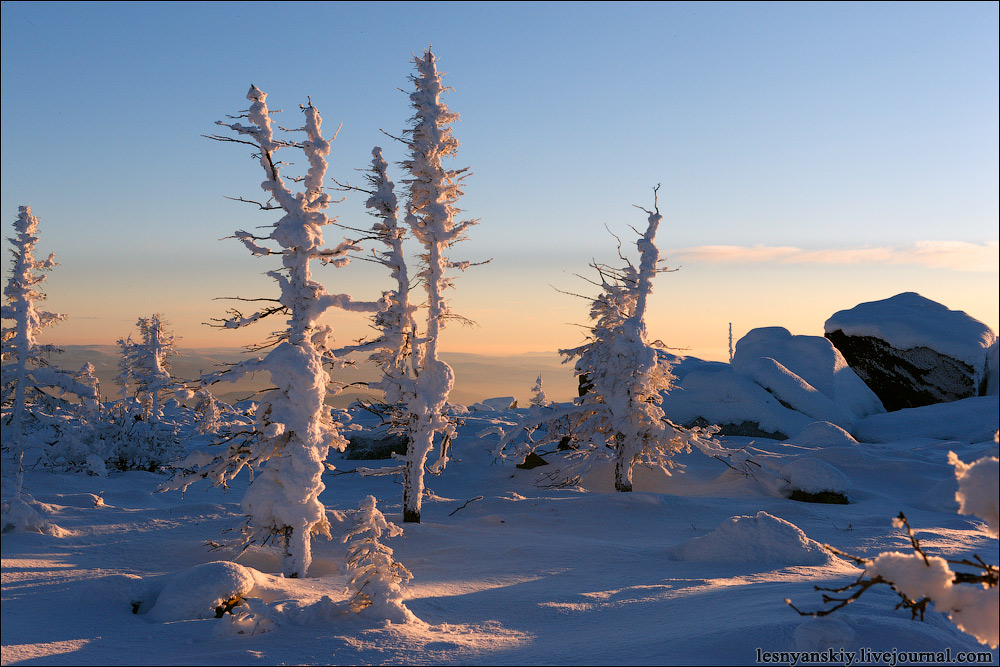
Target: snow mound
column 824, row 434
column 198, row 591
column 798, row 369
column 825, row 632
column 909, row 320
column 727, row 398
column 499, row 404
column 973, row 419
column 20, row 517
column 753, row 539
column 815, row 476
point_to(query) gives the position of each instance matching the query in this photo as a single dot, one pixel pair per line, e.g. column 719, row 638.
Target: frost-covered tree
column 538, row 398
column 294, row 430
column 149, row 363
column 375, row 577
column 619, row 414
column 207, row 408
column 393, row 348
column 25, row 365
column 431, row 213
column 124, row 367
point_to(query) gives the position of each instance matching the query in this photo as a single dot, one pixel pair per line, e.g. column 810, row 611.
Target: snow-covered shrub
column 207, row 408
column 294, row 430
column 376, row 579
column 969, row 596
column 538, row 398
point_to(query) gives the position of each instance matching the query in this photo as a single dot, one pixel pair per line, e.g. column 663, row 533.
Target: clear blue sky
column 860, row 138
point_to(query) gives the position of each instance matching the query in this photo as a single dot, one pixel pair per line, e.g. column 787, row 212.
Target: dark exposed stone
column 745, row 429
column 373, row 447
column 532, row 460
column 828, row 497
column 906, row 378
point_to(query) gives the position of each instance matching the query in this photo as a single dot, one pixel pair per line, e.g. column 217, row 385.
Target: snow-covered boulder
column 807, row 373
column 200, row 591
column 761, row 539
column 736, row 403
column 812, row 480
column 913, row 351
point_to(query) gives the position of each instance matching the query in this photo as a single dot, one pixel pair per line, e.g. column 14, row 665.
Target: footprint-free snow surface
column 689, row 569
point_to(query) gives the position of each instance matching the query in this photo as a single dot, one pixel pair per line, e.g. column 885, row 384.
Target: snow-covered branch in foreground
column 294, row 430
column 431, row 211
column 621, row 412
column 376, row 579
column 970, row 598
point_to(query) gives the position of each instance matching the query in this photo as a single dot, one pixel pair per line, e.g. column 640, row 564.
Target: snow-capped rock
column 913, row 351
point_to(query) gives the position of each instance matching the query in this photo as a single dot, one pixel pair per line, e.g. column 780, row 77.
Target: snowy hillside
column 689, row 569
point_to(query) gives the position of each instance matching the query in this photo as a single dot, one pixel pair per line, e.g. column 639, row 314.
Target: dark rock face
column 375, row 447
column 745, row 429
column 906, row 378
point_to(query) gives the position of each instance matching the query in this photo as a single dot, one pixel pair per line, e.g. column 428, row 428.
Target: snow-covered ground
column 690, row 569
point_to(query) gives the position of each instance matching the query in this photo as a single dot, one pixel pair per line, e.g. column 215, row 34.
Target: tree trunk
column 623, row 466
column 411, row 505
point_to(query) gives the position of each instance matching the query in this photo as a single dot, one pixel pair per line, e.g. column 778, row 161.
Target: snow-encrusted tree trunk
column 431, row 211
column 24, row 360
column 622, row 409
column 124, row 368
column 295, row 430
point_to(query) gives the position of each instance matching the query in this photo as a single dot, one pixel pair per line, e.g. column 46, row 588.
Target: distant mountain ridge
column 477, row 376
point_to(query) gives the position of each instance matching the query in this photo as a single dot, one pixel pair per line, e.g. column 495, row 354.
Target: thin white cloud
column 954, row 255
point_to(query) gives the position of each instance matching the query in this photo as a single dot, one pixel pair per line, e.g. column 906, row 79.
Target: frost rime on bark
column 431, row 211
column 295, row 430
column 621, row 411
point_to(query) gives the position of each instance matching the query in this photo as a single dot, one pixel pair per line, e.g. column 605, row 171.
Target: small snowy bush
column 376, row 579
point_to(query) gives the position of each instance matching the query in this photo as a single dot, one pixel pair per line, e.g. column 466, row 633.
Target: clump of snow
column 909, row 320
column 753, row 539
column 19, row 515
column 815, row 476
column 824, row 434
column 974, row 609
column 977, row 489
column 200, row 590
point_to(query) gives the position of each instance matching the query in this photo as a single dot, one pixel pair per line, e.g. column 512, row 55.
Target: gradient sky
column 812, row 156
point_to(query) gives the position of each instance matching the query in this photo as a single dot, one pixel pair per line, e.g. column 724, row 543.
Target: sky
column 810, row 157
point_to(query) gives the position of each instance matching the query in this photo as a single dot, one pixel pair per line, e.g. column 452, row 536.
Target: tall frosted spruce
column 25, row 364
column 294, row 430
column 431, row 212
column 627, row 377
